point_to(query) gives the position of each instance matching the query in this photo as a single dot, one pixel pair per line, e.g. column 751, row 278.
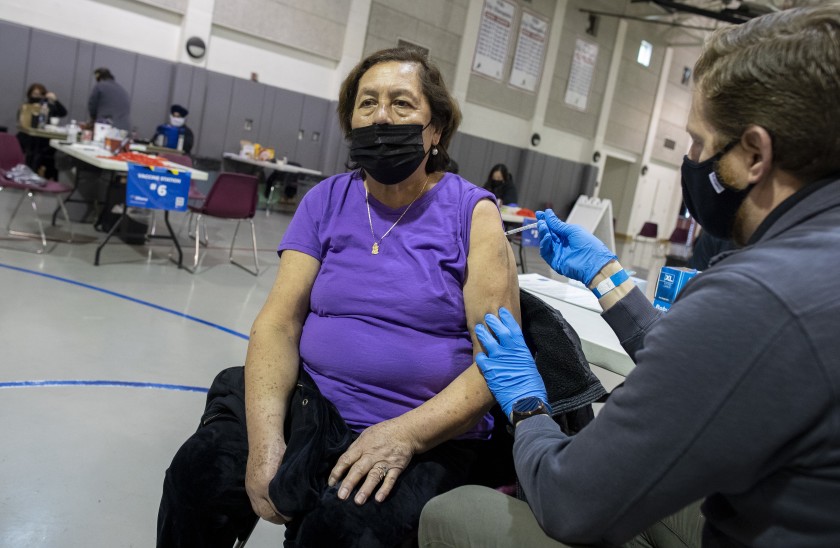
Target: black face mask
column 708, row 200
column 389, row 152
column 35, row 99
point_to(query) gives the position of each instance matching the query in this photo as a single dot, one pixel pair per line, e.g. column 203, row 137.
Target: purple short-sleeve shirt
column 386, row 332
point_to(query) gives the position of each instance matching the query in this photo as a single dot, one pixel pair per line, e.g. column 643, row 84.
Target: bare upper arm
column 288, row 300
column 491, row 269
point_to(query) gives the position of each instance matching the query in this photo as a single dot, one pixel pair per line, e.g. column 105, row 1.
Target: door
column 663, row 204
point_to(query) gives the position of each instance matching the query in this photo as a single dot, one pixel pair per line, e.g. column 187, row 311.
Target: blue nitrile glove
column 508, row 366
column 569, row 249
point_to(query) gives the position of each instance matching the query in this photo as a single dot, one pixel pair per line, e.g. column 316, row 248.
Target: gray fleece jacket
column 735, row 398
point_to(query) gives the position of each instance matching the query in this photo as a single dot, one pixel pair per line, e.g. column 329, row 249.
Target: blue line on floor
column 127, row 298
column 130, row 384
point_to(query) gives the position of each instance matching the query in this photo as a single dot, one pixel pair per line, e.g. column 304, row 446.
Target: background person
column 735, row 398
column 500, row 183
column 382, row 271
column 40, row 156
column 109, row 101
column 706, row 248
column 175, row 132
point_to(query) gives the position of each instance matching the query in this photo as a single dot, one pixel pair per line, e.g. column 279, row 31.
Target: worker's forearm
column 612, row 297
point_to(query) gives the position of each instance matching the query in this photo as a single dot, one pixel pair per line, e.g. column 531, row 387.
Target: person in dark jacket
column 735, row 397
column 176, row 134
column 109, row 101
column 40, row 156
column 500, row 183
column 706, row 248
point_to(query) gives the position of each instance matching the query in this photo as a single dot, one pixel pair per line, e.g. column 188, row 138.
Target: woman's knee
column 209, row 466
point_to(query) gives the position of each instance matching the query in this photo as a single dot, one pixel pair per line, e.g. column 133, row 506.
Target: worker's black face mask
column 388, row 152
column 35, row 99
column 708, row 199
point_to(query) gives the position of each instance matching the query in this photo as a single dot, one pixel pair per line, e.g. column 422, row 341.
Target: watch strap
column 610, row 283
column 528, row 407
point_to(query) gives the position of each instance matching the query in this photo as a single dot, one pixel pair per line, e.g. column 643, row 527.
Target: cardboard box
column 29, row 115
column 671, row 281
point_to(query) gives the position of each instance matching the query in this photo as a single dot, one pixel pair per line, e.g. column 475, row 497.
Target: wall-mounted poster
column 580, row 76
column 530, row 52
column 493, row 38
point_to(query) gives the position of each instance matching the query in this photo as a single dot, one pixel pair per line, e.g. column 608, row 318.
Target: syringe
column 521, row 229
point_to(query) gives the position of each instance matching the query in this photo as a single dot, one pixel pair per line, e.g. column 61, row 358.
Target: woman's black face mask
column 707, row 197
column 390, row 153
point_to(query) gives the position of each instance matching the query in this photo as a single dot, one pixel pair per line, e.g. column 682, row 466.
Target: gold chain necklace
column 375, row 249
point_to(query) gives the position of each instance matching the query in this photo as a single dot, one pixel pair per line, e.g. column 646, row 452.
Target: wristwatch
column 528, row 407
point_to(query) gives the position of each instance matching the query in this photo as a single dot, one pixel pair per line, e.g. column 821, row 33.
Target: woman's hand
column 377, row 457
column 260, row 471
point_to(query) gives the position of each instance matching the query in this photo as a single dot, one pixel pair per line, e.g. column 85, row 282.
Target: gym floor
column 105, row 368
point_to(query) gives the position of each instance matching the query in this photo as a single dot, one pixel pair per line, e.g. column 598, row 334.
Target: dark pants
column 204, row 501
column 40, row 156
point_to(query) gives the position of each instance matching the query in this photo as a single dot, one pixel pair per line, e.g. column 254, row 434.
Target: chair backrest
column 181, row 159
column 10, row 152
column 232, row 196
column 649, row 230
column 679, row 236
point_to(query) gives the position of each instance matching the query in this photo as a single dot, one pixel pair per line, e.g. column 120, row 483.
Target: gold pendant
column 375, row 249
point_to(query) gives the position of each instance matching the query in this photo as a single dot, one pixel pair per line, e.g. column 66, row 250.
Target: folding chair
column 11, row 155
column 284, row 179
column 234, row 197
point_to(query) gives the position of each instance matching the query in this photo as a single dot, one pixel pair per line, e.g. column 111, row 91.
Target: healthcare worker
column 735, row 397
column 175, row 134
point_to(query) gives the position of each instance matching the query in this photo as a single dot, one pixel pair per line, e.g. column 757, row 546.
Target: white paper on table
column 541, row 285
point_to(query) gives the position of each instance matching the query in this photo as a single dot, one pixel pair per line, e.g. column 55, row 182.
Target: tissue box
column 671, row 281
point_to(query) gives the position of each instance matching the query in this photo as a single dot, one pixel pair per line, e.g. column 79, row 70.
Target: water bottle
column 73, row 131
column 42, row 115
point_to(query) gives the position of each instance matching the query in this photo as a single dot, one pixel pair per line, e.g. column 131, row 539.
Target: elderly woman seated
column 361, row 396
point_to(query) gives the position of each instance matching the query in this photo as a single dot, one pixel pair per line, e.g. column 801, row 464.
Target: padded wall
column 540, row 179
column 223, row 109
column 303, row 128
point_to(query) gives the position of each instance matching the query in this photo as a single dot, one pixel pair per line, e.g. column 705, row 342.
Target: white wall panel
column 127, row 25
column 239, row 55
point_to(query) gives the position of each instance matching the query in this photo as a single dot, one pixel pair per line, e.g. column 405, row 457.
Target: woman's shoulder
column 337, row 183
column 458, row 183
column 333, row 187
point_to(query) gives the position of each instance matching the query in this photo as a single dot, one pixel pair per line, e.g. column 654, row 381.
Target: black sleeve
column 510, row 195
column 93, row 103
column 57, row 110
column 188, row 140
column 706, row 247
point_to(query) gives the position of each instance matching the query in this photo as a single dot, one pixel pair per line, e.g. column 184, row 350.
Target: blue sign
column 157, row 188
